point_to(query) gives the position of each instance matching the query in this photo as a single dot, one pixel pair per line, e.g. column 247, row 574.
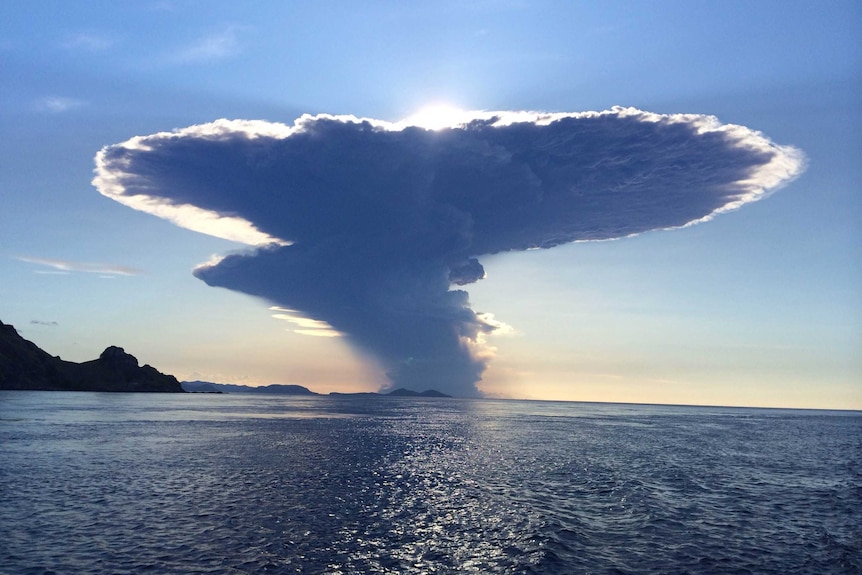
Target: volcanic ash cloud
column 367, row 225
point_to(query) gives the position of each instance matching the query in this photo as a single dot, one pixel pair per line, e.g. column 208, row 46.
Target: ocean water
column 236, row 484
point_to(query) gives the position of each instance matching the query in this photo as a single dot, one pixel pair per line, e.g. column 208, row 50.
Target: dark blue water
column 135, row 483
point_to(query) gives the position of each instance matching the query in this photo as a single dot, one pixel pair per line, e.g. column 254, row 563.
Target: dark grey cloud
column 367, row 225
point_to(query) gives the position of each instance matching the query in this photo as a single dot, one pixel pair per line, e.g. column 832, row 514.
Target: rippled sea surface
column 235, row 484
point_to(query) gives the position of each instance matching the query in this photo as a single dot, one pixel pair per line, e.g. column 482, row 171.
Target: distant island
column 279, row 389
column 25, row 366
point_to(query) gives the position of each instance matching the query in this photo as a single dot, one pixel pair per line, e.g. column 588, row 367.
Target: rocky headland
column 25, row 366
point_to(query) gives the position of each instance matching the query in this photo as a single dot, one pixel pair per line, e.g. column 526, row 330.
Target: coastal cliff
column 24, row 366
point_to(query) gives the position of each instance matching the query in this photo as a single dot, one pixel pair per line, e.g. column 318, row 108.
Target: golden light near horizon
column 307, row 326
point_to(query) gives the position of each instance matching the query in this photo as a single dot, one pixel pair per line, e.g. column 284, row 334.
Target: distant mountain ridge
column 282, row 389
column 25, row 366
column 275, row 389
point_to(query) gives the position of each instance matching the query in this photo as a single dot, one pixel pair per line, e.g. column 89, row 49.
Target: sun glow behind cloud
column 438, row 116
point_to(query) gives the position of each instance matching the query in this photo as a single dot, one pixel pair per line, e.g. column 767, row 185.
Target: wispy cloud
column 212, row 47
column 88, row 42
column 58, row 104
column 46, row 323
column 68, row 266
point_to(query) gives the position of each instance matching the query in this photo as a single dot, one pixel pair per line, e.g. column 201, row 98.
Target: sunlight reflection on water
column 234, row 484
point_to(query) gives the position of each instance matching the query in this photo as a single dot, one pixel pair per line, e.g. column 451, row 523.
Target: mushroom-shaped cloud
column 366, row 225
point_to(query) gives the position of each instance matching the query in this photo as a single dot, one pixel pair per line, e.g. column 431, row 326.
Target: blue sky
column 760, row 306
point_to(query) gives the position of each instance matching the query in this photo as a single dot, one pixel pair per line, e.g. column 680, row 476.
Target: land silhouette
column 25, row 366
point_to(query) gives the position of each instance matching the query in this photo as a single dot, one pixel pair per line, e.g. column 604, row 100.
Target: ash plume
column 373, row 227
